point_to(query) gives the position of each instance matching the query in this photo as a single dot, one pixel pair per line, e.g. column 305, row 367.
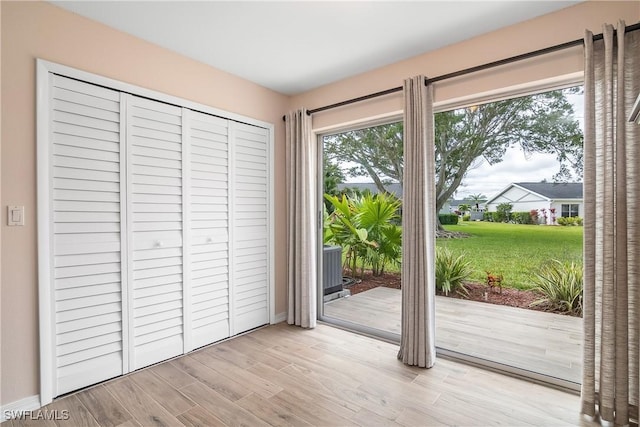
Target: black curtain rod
column 470, row 70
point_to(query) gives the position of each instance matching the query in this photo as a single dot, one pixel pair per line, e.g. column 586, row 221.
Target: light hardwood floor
column 547, row 343
column 287, row 376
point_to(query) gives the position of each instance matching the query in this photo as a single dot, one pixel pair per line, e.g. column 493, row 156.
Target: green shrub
column 451, row 271
column 503, row 212
column 576, row 220
column 521, row 217
column 498, row 217
column 561, row 284
column 466, row 217
column 487, row 216
column 448, row 219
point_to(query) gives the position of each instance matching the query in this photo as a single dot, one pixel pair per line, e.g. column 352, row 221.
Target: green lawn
column 513, row 250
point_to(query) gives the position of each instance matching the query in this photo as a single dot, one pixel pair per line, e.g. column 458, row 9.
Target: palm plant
column 365, row 227
column 464, row 208
column 344, row 230
column 378, row 214
column 477, row 198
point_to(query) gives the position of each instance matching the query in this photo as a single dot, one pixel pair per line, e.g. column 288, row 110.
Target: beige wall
column 548, row 30
column 40, row 30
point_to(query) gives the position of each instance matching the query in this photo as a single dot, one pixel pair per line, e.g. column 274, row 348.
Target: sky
column 489, row 179
column 515, row 167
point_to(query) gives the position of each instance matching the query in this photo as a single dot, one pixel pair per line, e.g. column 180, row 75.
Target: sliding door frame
column 531, row 88
column 319, row 134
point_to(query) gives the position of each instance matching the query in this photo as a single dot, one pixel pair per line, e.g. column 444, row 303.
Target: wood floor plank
column 269, row 412
column 32, row 421
column 78, row 414
column 254, row 354
column 316, row 415
column 130, row 423
column 223, row 367
column 306, row 389
column 162, row 392
column 28, row 422
column 141, row 405
column 227, row 352
column 366, row 418
column 345, row 389
column 230, row 389
column 199, row 417
column 227, row 411
column 412, row 417
column 105, row 408
column 174, row 376
column 384, row 362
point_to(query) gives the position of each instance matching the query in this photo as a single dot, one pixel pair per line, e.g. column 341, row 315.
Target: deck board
column 547, row 343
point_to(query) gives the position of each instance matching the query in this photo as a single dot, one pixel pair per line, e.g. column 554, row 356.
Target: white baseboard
column 280, row 317
column 30, row 403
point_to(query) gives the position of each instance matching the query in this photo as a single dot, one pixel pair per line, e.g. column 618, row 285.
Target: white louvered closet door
column 250, row 230
column 155, row 188
column 208, row 265
column 153, row 229
column 86, row 204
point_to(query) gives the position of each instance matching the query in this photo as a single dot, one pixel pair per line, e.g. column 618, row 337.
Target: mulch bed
column 369, row 281
column 477, row 292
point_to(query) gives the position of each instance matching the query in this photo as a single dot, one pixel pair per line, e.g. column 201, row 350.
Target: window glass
column 569, row 210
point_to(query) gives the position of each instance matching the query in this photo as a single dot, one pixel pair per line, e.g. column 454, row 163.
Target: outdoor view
column 509, row 235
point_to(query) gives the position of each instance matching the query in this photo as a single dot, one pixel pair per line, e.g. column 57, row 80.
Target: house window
column 569, row 210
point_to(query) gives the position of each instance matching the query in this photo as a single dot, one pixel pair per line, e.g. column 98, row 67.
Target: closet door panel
column 154, row 134
column 85, row 176
column 250, row 227
column 209, row 228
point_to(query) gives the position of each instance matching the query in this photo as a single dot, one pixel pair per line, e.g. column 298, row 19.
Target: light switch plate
column 15, row 215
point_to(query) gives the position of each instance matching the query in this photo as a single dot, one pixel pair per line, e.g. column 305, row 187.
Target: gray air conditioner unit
column 332, row 269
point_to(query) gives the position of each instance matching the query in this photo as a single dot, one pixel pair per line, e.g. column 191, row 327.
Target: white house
column 565, row 198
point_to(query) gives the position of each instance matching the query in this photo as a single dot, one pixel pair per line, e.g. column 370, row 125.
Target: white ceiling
column 292, row 47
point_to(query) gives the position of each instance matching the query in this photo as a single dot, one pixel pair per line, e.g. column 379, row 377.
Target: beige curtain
column 612, row 228
column 301, row 220
column 417, row 340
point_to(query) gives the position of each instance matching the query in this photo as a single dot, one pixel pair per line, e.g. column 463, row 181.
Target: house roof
column 547, row 190
column 394, row 188
column 554, row 190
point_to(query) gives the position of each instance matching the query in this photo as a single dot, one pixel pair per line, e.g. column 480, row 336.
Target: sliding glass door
column 509, row 246
column 362, row 229
column 508, row 239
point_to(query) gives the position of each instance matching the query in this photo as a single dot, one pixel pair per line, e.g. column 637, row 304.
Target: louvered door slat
column 209, row 224
column 154, row 135
column 86, row 202
column 250, row 229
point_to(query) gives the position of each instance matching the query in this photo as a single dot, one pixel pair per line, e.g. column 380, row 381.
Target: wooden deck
column 546, row 343
column 288, row 376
